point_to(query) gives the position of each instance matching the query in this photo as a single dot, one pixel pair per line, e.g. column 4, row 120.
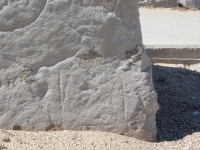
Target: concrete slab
column 170, row 27
column 174, row 54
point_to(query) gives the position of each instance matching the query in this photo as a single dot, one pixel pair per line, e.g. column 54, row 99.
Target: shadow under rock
column 178, row 92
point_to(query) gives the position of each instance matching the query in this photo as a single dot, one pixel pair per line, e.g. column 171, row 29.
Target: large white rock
column 75, row 64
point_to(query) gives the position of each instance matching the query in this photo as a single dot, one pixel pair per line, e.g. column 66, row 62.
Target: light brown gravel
column 72, row 140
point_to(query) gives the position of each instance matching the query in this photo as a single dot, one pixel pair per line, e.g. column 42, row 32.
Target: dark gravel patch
column 178, row 92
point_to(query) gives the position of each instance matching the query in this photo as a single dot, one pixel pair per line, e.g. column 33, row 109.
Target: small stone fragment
column 195, row 113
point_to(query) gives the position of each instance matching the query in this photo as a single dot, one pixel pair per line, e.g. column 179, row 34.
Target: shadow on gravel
column 178, row 92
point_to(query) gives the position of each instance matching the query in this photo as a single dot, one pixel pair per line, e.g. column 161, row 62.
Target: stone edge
column 174, row 54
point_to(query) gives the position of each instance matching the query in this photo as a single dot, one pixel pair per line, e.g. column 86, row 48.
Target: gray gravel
column 178, row 92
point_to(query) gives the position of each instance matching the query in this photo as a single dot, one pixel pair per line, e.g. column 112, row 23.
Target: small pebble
column 195, row 113
column 193, row 98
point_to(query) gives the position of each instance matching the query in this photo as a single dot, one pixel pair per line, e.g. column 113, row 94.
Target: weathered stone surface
column 16, row 14
column 75, row 64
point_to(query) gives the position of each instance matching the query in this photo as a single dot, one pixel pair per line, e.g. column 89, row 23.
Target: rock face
column 16, row 14
column 75, row 64
column 158, row 3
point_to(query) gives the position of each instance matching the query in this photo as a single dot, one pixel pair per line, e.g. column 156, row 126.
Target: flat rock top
column 170, row 27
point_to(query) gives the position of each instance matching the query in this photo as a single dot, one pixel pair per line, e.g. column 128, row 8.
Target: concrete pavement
column 171, row 36
column 170, row 27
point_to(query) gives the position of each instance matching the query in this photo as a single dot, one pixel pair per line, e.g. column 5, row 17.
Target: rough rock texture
column 16, row 14
column 75, row 64
column 190, row 3
column 158, row 3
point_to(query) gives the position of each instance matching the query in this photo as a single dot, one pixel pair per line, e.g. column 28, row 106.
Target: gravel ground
column 178, row 89
column 178, row 120
column 73, row 140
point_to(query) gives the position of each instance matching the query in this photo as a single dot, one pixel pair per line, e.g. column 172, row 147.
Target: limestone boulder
column 75, row 64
